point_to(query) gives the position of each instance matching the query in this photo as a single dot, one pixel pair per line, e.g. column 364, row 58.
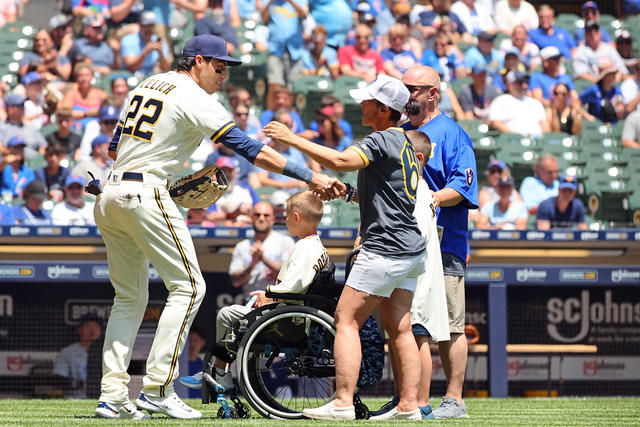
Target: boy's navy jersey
column 452, row 164
column 387, row 187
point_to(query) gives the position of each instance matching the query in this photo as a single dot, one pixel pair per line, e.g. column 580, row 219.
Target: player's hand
column 278, row 131
column 327, row 188
column 436, row 199
column 262, row 299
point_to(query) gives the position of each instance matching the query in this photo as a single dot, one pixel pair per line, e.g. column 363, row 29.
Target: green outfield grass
column 489, row 412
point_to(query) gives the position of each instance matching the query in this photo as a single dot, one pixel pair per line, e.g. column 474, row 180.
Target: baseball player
column 393, row 250
column 163, row 121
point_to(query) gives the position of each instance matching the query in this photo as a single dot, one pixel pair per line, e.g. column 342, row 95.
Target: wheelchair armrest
column 317, row 299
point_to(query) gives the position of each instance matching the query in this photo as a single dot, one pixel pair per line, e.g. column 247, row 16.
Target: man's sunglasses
column 414, row 88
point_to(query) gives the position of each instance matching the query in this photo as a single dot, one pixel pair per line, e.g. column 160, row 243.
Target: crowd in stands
column 503, row 63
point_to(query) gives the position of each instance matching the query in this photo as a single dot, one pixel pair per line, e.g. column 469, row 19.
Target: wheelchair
column 284, row 354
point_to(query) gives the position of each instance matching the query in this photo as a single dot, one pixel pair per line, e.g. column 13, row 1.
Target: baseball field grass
column 487, row 412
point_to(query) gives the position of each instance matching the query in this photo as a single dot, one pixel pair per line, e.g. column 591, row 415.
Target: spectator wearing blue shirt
column 547, row 34
column 31, row 213
column 445, row 58
column 217, row 22
column 283, row 100
column 590, row 12
column 34, row 143
column 15, row 175
column 93, row 46
column 451, row 173
column 142, row 51
column 330, row 134
column 535, row 189
column 396, row 59
column 485, row 53
column 320, row 59
column 6, row 214
column 504, row 213
column 564, row 210
column 511, row 63
column 541, row 84
column 528, row 53
column 603, row 99
column 270, row 179
column 284, row 19
column 338, row 109
column 336, row 17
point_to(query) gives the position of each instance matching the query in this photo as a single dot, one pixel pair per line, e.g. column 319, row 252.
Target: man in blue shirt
column 535, row 189
column 451, row 174
column 541, row 84
column 142, row 51
column 590, row 12
column 92, row 45
column 14, row 174
column 564, row 210
column 484, row 52
column 549, row 35
column 284, row 19
column 604, row 100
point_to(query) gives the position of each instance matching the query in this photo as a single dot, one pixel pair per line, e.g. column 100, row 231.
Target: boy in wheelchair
column 308, row 256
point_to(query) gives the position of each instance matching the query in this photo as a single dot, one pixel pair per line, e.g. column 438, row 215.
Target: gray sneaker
column 450, row 408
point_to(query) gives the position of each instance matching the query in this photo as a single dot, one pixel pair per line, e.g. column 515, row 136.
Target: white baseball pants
column 139, row 223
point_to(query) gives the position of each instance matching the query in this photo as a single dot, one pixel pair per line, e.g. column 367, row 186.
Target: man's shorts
column 454, row 288
column 283, row 70
column 380, row 275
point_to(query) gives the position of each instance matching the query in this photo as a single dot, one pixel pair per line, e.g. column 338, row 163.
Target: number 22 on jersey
column 139, row 127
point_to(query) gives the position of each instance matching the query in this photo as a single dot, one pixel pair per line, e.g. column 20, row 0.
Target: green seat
column 36, row 162
column 518, row 141
column 581, row 85
column 457, row 84
column 251, row 75
column 568, row 21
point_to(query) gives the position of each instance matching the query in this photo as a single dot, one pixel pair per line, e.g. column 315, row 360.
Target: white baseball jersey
column 163, row 122
column 66, row 214
column 307, row 257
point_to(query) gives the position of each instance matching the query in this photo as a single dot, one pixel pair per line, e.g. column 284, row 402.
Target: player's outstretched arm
column 347, row 160
column 327, row 188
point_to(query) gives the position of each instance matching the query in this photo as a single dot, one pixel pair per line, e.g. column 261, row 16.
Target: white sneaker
column 126, row 410
column 330, row 412
column 394, row 414
column 171, row 405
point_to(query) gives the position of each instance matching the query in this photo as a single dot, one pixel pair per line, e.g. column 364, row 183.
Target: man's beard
column 412, row 108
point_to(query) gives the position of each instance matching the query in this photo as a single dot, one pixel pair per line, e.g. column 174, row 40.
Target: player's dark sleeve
column 113, row 145
column 232, row 137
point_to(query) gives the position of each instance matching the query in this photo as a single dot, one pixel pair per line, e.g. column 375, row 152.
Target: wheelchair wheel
column 285, row 362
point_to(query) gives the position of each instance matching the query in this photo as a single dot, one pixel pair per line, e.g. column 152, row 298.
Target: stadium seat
column 568, row 21
column 251, row 75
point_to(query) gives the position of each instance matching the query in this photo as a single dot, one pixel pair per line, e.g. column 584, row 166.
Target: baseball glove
column 200, row 189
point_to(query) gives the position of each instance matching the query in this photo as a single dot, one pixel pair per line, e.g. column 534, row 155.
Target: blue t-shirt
column 101, row 54
column 285, row 28
column 132, row 45
column 25, row 216
column 493, row 61
column 546, row 83
column 445, row 65
column 452, row 164
column 402, row 60
column 6, row 214
column 162, row 8
column 548, row 210
column 593, row 97
column 578, row 35
column 225, row 31
column 308, row 63
column 298, row 126
column 533, row 191
column 15, row 186
column 335, row 16
column 345, row 125
column 560, row 39
column 515, row 210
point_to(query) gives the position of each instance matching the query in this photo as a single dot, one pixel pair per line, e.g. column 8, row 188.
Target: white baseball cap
column 385, row 89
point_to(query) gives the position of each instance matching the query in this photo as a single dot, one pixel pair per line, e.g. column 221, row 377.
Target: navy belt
column 132, row 176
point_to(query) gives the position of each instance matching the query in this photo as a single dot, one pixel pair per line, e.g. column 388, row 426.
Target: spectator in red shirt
column 360, row 60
